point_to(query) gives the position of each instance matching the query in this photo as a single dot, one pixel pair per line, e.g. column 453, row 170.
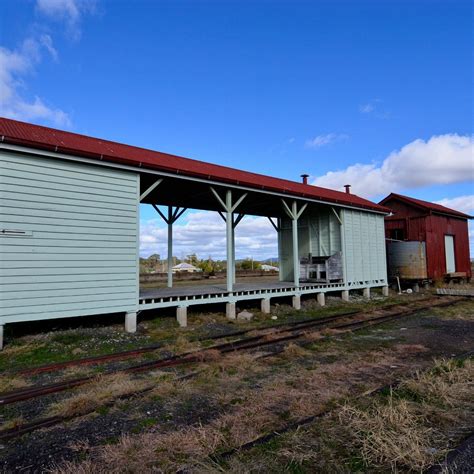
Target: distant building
column 185, row 267
column 269, row 268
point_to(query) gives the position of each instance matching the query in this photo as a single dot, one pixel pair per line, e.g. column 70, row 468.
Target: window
column 397, row 234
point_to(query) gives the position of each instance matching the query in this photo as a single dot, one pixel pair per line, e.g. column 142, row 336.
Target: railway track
column 303, row 328
column 122, row 355
column 267, row 336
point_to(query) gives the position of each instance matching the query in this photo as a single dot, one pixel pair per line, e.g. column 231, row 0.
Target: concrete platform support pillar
column 265, row 305
column 345, row 295
column 230, row 310
column 1, row 337
column 182, row 316
column 321, row 299
column 131, row 322
column 296, row 302
column 385, row 290
column 366, row 293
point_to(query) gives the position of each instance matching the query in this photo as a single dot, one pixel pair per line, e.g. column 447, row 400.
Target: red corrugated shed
column 414, row 219
column 35, row 136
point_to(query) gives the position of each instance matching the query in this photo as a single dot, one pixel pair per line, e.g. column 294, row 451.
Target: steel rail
column 200, row 355
column 152, row 348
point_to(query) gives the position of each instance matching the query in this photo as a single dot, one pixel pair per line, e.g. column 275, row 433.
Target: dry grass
column 407, row 430
column 103, row 390
column 331, row 332
column 29, row 345
column 259, row 400
column 12, row 423
column 395, row 434
column 181, row 344
column 410, row 348
column 8, row 383
column 449, row 383
column 259, row 412
column 462, row 311
column 410, row 429
column 293, row 350
column 235, row 364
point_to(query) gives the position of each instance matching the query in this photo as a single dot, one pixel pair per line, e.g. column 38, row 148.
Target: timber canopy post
column 294, row 215
column 173, row 216
column 229, row 209
column 277, row 226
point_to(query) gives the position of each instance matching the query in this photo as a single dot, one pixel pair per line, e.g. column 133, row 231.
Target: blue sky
column 379, row 91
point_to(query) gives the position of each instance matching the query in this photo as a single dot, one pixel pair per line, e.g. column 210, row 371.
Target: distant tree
column 249, row 264
column 192, row 259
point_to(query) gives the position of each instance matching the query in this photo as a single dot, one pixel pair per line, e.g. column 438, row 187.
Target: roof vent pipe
column 305, row 178
column 348, row 188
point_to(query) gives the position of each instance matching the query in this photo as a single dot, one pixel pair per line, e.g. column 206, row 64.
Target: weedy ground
column 186, row 419
column 35, row 344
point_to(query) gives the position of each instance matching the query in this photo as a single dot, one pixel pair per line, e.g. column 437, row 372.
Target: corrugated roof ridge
column 428, row 205
column 338, row 196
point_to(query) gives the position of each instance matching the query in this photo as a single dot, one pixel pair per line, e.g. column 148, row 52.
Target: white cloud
column 375, row 108
column 461, row 203
column 204, row 233
column 68, row 11
column 443, row 159
column 15, row 65
column 366, row 108
column 47, row 42
column 322, row 140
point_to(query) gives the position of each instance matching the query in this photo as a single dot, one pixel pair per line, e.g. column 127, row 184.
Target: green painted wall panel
column 77, row 206
column 70, row 179
column 364, row 237
column 320, row 234
column 80, row 254
column 69, row 219
column 62, row 194
column 42, row 180
column 55, row 167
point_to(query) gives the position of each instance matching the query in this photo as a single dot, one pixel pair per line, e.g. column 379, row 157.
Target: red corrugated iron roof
column 39, row 137
column 430, row 206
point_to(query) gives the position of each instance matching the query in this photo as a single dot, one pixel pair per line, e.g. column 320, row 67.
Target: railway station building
column 69, row 229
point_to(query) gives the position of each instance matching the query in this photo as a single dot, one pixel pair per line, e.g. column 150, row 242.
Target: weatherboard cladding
column 79, row 254
column 34, row 136
column 363, row 245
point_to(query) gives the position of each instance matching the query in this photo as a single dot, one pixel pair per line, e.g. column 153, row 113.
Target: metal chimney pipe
column 305, row 178
column 348, row 188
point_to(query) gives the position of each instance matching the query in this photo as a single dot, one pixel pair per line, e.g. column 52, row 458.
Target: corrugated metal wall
column 79, row 254
column 364, row 246
column 420, row 225
column 436, row 228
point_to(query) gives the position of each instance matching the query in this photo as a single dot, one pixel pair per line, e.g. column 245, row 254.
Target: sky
column 376, row 94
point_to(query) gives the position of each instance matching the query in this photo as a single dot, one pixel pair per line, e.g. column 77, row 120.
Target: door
column 449, row 251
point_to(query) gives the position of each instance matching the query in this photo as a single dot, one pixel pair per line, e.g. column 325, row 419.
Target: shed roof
column 429, row 206
column 45, row 138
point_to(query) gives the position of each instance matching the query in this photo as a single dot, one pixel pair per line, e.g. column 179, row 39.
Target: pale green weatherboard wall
column 364, row 242
column 363, row 245
column 80, row 254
